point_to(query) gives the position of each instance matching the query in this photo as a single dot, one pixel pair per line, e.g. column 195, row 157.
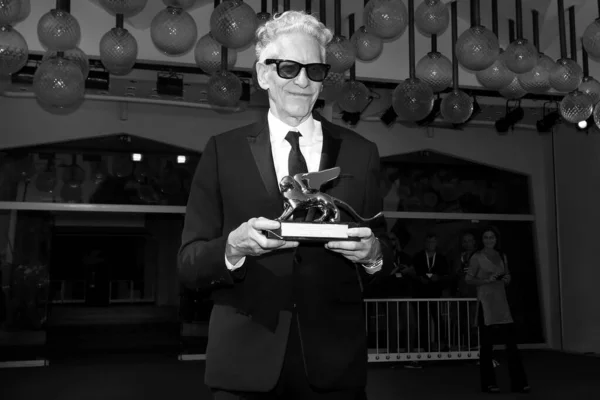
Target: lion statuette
column 300, row 193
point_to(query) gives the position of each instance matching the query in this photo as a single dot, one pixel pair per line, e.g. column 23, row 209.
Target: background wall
column 577, row 164
column 521, row 151
column 578, row 177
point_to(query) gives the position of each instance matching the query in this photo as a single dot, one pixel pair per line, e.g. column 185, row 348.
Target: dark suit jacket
column 249, row 325
column 440, row 268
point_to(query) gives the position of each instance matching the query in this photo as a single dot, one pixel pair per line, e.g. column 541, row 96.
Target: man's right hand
column 248, row 240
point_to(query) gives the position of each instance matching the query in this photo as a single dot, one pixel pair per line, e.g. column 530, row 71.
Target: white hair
column 291, row 22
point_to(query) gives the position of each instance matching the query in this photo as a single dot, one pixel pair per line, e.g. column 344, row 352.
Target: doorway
column 107, row 263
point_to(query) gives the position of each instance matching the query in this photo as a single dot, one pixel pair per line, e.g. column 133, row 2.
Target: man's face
column 431, row 244
column 468, row 243
column 291, row 100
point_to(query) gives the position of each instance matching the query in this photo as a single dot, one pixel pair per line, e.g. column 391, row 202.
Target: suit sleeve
column 201, row 257
column 373, row 204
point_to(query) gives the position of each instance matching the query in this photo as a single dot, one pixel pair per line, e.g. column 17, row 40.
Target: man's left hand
column 364, row 251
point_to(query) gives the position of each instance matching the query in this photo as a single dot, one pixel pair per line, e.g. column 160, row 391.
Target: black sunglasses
column 288, row 69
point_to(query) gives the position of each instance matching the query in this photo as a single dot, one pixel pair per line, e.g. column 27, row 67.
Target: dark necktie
column 296, row 165
column 296, row 161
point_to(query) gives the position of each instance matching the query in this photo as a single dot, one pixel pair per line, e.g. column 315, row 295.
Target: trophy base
column 313, row 232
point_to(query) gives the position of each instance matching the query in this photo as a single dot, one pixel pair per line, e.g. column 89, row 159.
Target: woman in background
column 488, row 271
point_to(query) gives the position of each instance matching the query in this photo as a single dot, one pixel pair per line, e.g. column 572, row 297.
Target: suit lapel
column 260, row 145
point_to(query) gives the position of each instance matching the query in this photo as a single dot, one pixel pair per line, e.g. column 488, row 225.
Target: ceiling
column 586, row 10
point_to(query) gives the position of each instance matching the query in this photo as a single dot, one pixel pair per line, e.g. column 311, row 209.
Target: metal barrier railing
column 421, row 329
column 67, row 291
column 129, row 291
column 119, row 291
column 401, row 330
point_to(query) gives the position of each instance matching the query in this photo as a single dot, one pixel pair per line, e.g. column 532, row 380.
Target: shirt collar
column 279, row 129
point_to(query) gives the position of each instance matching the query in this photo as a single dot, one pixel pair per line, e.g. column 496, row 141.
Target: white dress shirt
column 311, row 146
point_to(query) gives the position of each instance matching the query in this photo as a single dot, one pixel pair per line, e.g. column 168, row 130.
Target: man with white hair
column 288, row 320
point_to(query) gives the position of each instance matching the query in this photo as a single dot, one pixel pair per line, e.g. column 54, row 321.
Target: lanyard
column 429, row 266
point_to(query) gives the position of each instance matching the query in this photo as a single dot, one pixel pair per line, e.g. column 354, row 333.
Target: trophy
column 302, row 193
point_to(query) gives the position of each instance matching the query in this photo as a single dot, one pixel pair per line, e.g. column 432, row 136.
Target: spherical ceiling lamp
column 477, row 48
column 366, row 45
column 76, row 55
column 335, row 80
column 128, row 8
column 596, row 114
column 9, row 11
column 58, row 30
column 412, row 99
column 521, row 56
column 591, row 87
column 13, row 50
column 354, row 97
column 513, row 91
column 591, row 39
column 576, row 107
column 435, row 69
column 173, row 31
column 207, row 54
column 497, row 76
column 224, row 89
column 566, row 75
column 340, row 54
column 386, row 19
column 233, row 23
column 183, row 4
column 537, row 81
column 58, row 82
column 432, row 17
column 24, row 13
column 457, row 107
column 118, row 51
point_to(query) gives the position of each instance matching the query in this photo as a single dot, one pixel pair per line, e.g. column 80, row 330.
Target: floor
column 135, row 377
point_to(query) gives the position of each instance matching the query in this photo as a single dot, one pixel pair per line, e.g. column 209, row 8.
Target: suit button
column 297, row 259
